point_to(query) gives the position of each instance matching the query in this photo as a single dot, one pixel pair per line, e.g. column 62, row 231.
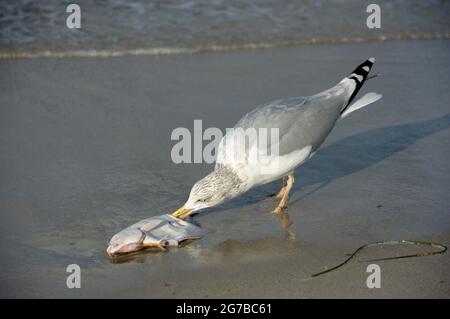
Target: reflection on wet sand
column 137, row 257
column 286, row 223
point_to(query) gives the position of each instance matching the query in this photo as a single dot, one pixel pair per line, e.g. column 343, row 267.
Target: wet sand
column 85, row 151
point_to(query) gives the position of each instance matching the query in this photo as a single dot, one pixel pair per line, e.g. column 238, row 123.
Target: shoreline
column 213, row 48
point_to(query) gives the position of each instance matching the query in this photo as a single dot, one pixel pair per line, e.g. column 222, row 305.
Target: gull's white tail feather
column 367, row 99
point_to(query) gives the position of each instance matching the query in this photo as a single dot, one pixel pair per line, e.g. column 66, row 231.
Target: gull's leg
column 282, row 190
column 285, row 198
column 280, row 193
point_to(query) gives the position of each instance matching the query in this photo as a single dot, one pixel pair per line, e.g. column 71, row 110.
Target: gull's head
column 214, row 189
column 207, row 192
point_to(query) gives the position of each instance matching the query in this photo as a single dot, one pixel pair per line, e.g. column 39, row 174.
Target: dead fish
column 158, row 232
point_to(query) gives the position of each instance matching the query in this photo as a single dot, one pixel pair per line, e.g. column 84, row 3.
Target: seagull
column 301, row 124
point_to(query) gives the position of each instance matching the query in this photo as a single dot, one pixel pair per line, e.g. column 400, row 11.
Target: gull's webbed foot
column 279, row 210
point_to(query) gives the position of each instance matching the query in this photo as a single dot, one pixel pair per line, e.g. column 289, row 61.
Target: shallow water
column 111, row 28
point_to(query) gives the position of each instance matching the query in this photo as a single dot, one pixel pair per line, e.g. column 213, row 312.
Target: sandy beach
column 85, row 151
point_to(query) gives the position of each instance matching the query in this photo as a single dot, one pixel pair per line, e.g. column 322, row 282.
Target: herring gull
column 302, row 125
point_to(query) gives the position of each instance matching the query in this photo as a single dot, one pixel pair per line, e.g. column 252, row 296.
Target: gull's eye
column 203, row 200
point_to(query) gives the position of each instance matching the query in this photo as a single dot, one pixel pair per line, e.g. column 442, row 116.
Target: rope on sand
column 442, row 250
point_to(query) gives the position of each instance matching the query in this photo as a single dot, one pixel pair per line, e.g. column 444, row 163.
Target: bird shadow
column 345, row 157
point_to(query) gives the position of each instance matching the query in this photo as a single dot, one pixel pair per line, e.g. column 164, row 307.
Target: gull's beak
column 182, row 212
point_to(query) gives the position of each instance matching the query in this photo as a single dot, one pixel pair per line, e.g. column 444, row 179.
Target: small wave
column 162, row 51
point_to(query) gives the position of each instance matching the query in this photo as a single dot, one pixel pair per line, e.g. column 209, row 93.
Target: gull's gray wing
column 301, row 121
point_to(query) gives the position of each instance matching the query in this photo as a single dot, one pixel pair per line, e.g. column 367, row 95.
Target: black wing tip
column 359, row 75
column 364, row 68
